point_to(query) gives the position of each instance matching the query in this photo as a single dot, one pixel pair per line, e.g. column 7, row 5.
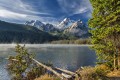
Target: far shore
column 45, row 45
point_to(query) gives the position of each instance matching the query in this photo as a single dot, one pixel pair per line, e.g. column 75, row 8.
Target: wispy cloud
column 44, row 10
column 72, row 7
column 5, row 14
column 13, row 15
column 14, row 5
column 81, row 10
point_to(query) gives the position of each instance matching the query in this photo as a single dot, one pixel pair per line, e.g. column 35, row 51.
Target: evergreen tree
column 22, row 66
column 105, row 24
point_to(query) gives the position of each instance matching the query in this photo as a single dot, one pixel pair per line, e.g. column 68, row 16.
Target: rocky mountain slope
column 65, row 23
column 77, row 29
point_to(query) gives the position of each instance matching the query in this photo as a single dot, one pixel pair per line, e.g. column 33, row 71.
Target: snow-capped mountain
column 67, row 26
column 35, row 23
column 78, row 28
column 44, row 27
column 65, row 23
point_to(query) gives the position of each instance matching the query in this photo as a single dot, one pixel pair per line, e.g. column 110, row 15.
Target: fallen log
column 48, row 68
column 70, row 75
column 67, row 75
column 66, row 71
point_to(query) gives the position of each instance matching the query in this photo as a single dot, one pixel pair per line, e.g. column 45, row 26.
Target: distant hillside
column 18, row 33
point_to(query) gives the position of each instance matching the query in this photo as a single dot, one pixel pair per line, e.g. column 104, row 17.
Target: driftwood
column 48, row 68
column 64, row 75
column 66, row 71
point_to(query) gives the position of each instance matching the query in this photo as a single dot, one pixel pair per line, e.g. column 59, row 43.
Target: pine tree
column 22, row 67
column 105, row 24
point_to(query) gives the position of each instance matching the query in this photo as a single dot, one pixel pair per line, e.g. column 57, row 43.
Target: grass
column 47, row 77
column 93, row 73
column 114, row 74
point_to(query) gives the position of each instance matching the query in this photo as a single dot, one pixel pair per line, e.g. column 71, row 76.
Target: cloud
column 9, row 14
column 13, row 16
column 18, row 10
column 72, row 7
column 15, row 5
column 44, row 10
column 81, row 10
column 19, row 6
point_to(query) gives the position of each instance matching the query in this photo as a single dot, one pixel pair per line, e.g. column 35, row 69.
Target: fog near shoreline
column 43, row 45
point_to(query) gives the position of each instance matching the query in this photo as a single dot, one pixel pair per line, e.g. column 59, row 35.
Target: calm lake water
column 69, row 57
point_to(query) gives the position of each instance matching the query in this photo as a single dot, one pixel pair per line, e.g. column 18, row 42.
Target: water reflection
column 66, row 57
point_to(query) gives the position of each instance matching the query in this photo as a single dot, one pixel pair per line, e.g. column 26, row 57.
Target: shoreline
column 47, row 45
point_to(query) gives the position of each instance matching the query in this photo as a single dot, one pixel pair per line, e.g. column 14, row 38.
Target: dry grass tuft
column 47, row 77
column 114, row 74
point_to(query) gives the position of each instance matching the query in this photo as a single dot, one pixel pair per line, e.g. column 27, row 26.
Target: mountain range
column 35, row 31
column 66, row 26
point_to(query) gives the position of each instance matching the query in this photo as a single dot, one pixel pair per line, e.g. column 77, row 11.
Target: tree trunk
column 119, row 58
column 114, row 62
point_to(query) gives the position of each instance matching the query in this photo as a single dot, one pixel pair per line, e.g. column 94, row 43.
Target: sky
column 48, row 11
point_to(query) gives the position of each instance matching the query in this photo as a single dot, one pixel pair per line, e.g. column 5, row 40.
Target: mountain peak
column 65, row 23
column 80, row 21
column 66, row 19
column 35, row 23
column 41, row 26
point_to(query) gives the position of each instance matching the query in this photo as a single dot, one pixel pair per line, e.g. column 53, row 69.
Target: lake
column 69, row 57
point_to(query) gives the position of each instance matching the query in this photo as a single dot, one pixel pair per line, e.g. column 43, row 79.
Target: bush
column 88, row 73
column 93, row 73
column 102, row 70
